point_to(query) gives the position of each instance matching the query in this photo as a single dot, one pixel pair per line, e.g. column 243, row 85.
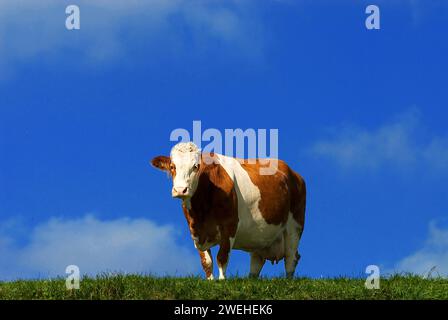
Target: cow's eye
column 171, row 166
column 196, row 167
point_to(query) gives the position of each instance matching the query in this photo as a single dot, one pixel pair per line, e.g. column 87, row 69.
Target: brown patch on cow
column 223, row 253
column 281, row 193
column 164, row 163
column 298, row 199
column 212, row 215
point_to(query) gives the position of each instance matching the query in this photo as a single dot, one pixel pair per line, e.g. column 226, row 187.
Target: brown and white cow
column 227, row 202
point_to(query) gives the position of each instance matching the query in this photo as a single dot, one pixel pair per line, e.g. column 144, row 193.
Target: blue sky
column 361, row 115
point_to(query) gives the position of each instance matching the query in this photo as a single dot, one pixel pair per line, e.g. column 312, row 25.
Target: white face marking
column 186, row 180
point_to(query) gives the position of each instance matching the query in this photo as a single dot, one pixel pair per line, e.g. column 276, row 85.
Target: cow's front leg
column 207, row 263
column 223, row 256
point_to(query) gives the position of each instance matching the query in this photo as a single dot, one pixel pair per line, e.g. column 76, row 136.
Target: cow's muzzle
column 180, row 192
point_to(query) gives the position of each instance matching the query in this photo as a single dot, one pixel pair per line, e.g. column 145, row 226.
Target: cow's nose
column 180, row 191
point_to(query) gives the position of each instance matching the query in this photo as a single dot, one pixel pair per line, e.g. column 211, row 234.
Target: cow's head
column 183, row 165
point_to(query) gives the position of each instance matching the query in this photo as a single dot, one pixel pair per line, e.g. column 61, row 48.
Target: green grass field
column 145, row 287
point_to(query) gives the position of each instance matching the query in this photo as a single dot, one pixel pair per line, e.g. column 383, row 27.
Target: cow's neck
column 213, row 206
column 187, row 204
column 196, row 207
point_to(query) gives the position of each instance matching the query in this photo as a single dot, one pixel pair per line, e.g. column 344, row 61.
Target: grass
column 146, row 287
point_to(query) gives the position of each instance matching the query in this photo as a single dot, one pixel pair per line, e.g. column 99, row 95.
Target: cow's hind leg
column 256, row 264
column 207, row 263
column 293, row 233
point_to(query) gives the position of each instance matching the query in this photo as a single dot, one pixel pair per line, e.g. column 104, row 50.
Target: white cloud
column 32, row 29
column 95, row 246
column 432, row 258
column 401, row 143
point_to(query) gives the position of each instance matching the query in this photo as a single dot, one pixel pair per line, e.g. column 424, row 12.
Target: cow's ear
column 161, row 162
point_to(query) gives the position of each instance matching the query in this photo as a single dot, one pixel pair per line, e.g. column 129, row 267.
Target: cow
column 227, row 202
